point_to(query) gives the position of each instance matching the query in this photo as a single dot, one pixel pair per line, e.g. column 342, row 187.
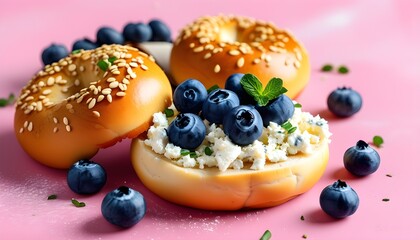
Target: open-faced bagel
column 87, row 101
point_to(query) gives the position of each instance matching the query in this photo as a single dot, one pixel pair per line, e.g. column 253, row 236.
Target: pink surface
column 377, row 40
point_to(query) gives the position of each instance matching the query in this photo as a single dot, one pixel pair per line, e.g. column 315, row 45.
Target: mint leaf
column 103, row 65
column 212, row 88
column 274, row 88
column 378, row 141
column 262, row 100
column 112, row 59
column 252, row 85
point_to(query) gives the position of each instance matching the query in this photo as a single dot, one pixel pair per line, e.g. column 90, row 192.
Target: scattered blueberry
column 189, row 96
column 86, row 177
column 339, row 200
column 137, row 32
column 344, row 102
column 85, row 44
column 187, row 131
column 361, row 160
column 218, row 103
column 107, row 35
column 161, row 31
column 233, row 83
column 243, row 125
column 278, row 110
column 123, row 207
column 54, row 53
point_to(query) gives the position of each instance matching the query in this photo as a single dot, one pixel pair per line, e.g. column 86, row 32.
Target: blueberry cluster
column 242, row 118
column 155, row 30
column 123, row 206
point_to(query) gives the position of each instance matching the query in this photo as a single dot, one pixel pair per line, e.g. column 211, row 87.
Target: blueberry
column 85, row 44
column 278, row 110
column 160, row 30
column 218, row 103
column 233, row 83
column 123, row 207
column 54, row 53
column 339, row 200
column 361, row 160
column 344, row 102
column 187, row 131
column 243, row 125
column 189, row 96
column 137, row 32
column 107, row 35
column 86, row 177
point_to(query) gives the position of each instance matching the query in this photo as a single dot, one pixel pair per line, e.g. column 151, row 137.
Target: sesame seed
column 80, row 99
column 120, row 94
column 64, row 90
column 39, row 106
column 30, row 98
column 106, row 91
column 100, row 98
column 109, row 98
column 27, row 111
column 267, row 58
column 65, row 121
column 192, row 45
column 122, row 87
column 113, row 84
column 69, row 106
column 25, row 124
column 125, row 81
column 256, row 61
column 55, row 120
column 46, row 92
column 116, row 72
column 55, row 129
column 92, row 103
column 207, row 55
column 198, row 49
column 21, row 130
column 77, row 82
column 96, row 113
column 68, row 128
column 50, row 81
column 234, row 52
column 111, row 79
column 133, row 64
column 296, row 64
column 30, row 127
column 144, row 67
column 74, row 73
column 81, row 68
column 217, row 68
column 209, row 47
column 72, row 67
column 57, row 68
column 240, row 62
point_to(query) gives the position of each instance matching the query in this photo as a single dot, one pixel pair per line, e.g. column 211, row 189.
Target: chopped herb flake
column 112, row 59
column 378, row 141
column 298, row 105
column 193, row 154
column 212, row 88
column 266, row 235
column 343, row 69
column 52, row 197
column 102, row 64
column 302, row 218
column 77, row 203
column 185, row 152
column 208, row 151
column 292, row 130
column 169, row 112
column 327, row 68
column 76, row 51
column 388, row 175
column 385, row 199
column 287, row 125
column 7, row 101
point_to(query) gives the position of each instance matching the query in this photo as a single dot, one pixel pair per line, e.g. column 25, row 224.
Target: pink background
column 378, row 40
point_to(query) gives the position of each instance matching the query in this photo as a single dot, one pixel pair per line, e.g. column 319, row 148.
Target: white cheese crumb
column 186, row 161
column 225, row 153
column 172, row 151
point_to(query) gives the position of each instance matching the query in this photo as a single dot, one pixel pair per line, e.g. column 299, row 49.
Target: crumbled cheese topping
column 274, row 145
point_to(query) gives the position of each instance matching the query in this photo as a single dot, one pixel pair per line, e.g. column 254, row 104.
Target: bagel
column 249, row 186
column 212, row 48
column 87, row 101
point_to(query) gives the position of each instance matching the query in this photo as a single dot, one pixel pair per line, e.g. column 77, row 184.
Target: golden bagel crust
column 72, row 108
column 212, row 48
column 212, row 189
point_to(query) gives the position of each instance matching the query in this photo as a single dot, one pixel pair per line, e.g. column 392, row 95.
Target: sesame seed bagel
column 87, row 101
column 232, row 189
column 212, row 48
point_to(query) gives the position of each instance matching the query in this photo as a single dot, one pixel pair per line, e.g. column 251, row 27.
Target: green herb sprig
column 208, row 151
column 327, row 68
column 343, row 69
column 298, row 105
column 77, row 203
column 169, row 112
column 289, row 127
column 7, row 101
column 185, row 152
column 212, row 88
column 266, row 235
column 253, row 86
column 52, row 197
column 104, row 64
